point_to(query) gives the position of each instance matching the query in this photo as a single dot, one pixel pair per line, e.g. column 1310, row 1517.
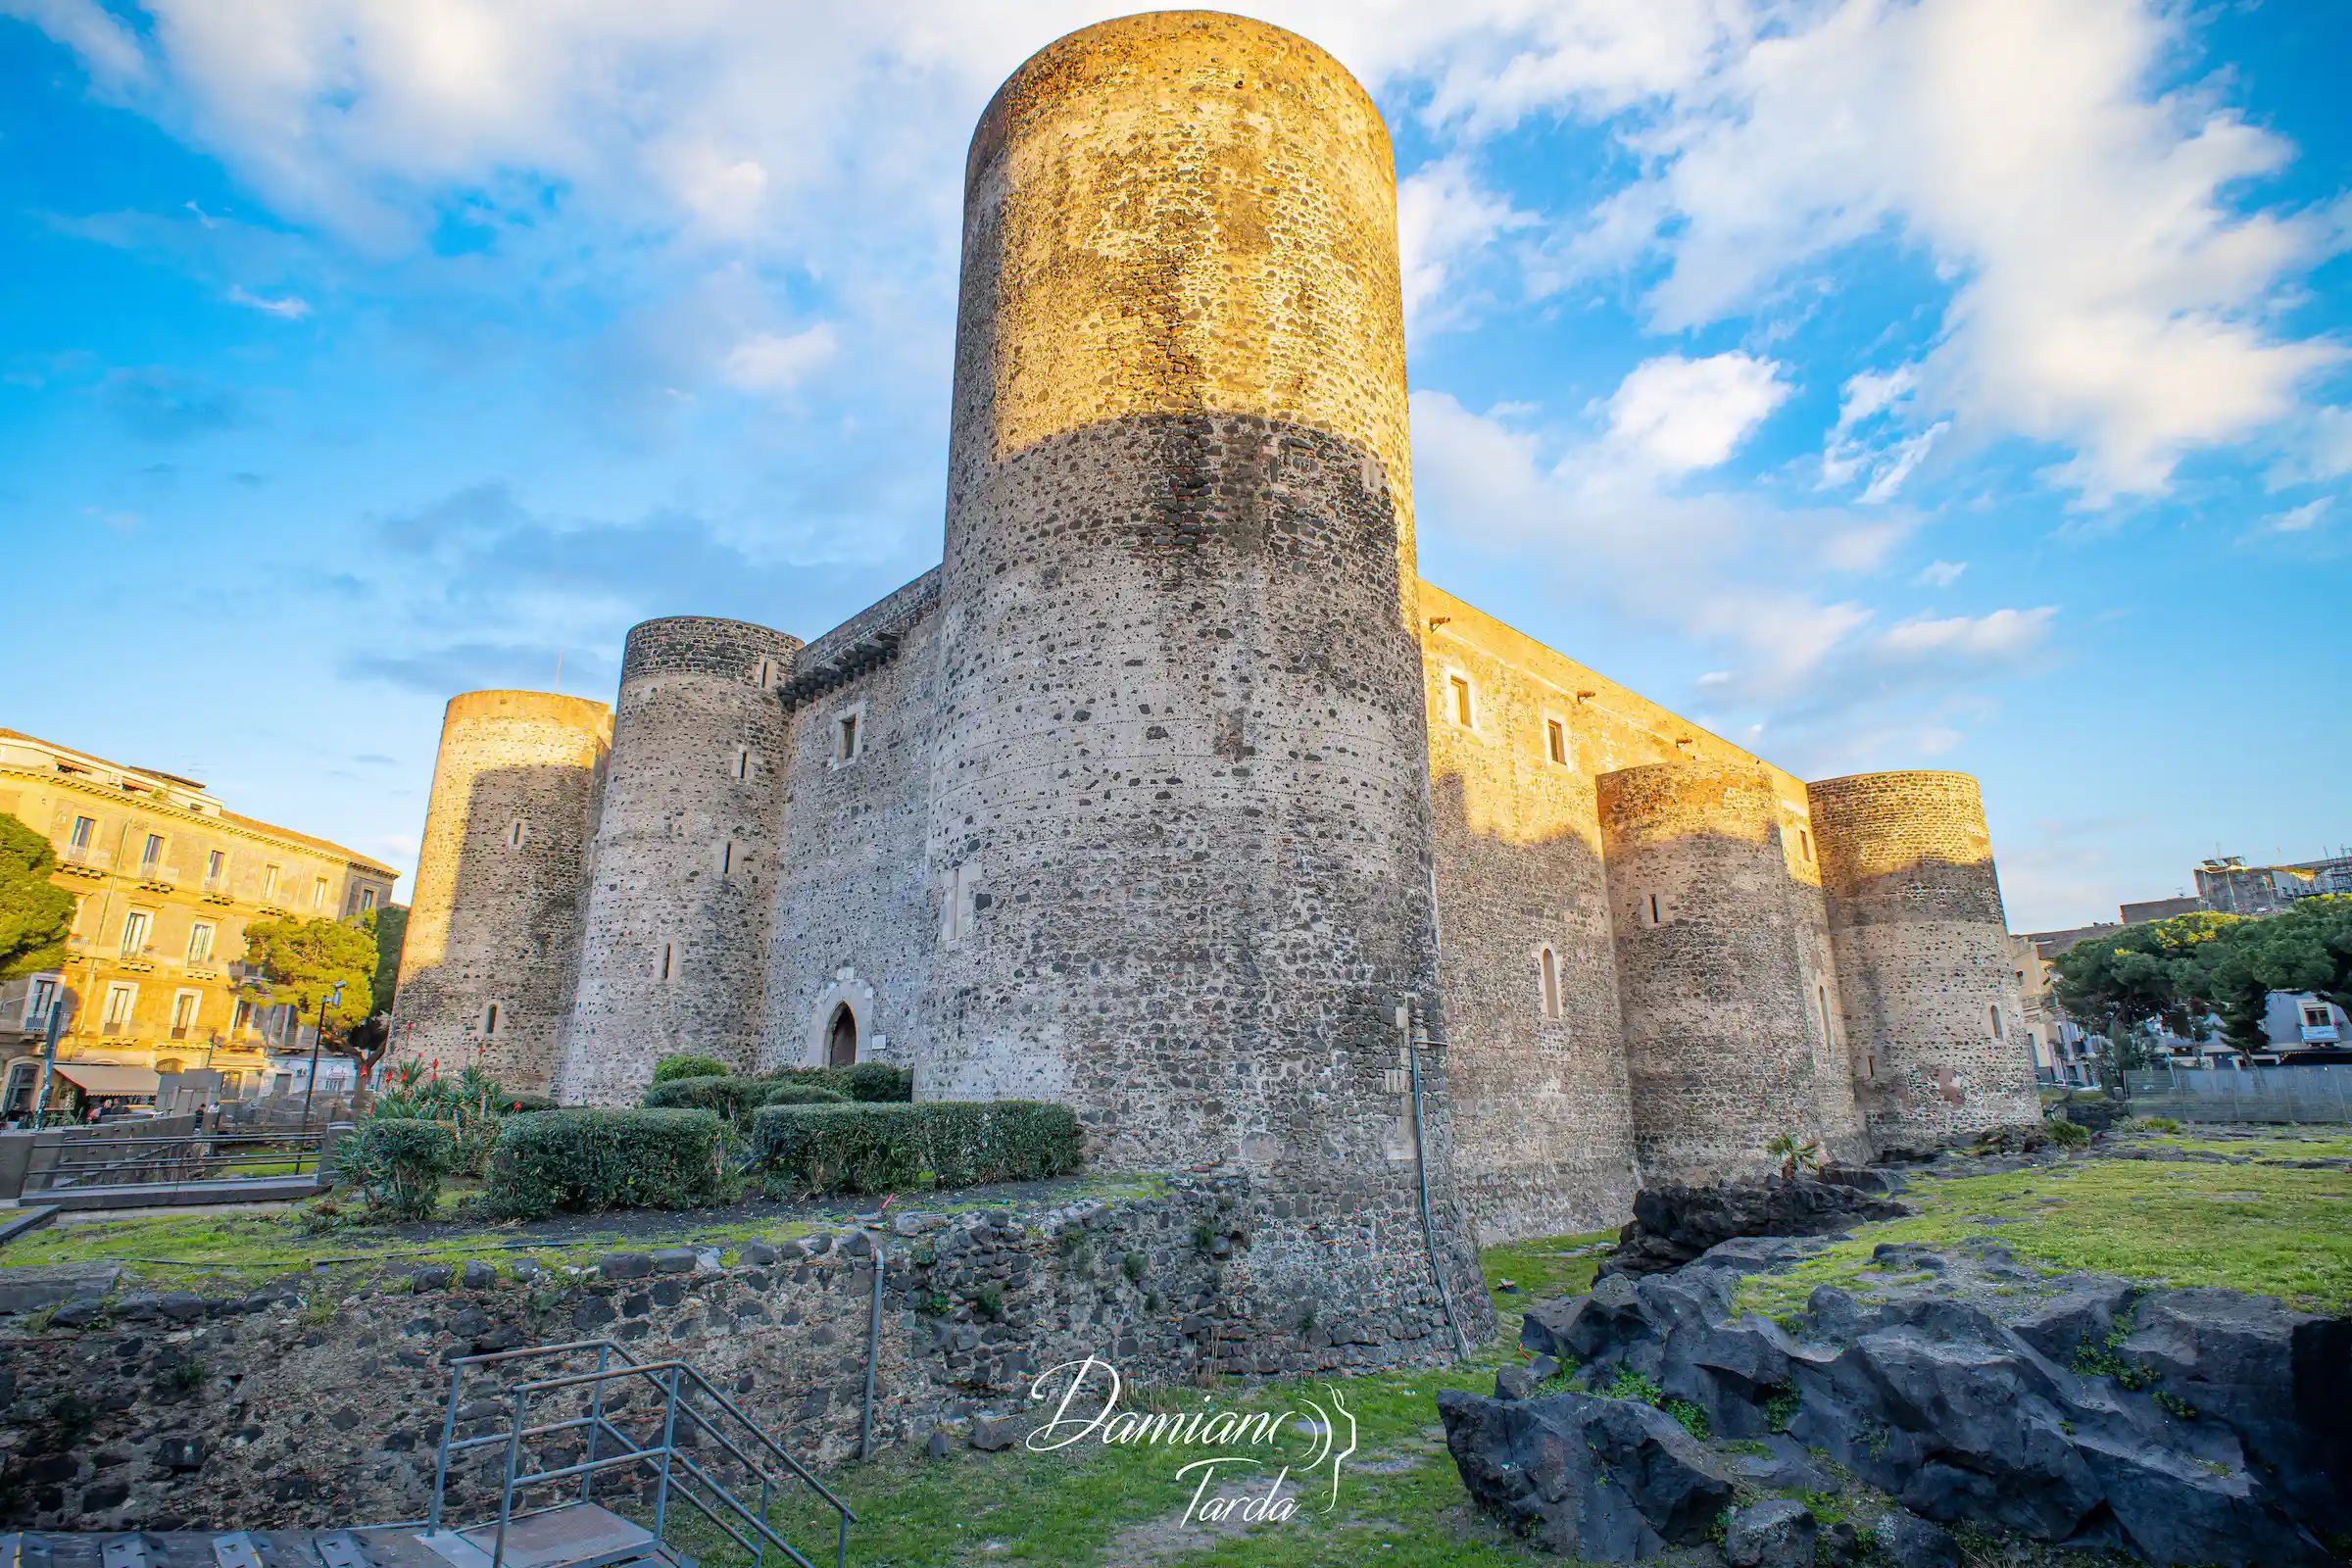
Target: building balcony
column 84, row 859
column 159, row 878
column 216, row 890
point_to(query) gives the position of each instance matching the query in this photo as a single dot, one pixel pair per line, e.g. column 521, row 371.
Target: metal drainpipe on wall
column 1408, row 1020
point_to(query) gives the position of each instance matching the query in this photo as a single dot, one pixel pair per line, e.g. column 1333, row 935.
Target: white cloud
column 2000, row 635
column 766, row 361
column 1769, row 589
column 291, row 308
column 104, row 44
column 1678, row 415
column 2293, row 523
column 2107, row 299
column 1941, row 573
column 1443, row 214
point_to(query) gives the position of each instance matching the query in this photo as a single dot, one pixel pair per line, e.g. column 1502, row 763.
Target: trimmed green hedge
column 882, row 1147
column 872, row 1083
column 687, row 1067
column 731, row 1096
column 584, row 1160
column 803, row 1095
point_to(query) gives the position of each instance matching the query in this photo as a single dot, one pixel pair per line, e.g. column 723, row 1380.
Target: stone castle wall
column 1931, row 1004
column 500, row 874
column 856, row 914
column 687, row 857
column 1724, row 1045
column 1180, row 753
column 1174, row 784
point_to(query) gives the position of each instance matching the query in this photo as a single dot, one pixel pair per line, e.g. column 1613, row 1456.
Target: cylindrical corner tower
column 676, row 947
column 1931, row 1006
column 1179, row 819
column 494, row 932
column 1726, row 1017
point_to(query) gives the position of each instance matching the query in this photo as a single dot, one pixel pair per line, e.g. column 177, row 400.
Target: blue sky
column 1955, row 384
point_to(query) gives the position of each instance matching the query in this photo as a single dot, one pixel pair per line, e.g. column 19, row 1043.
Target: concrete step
column 577, row 1534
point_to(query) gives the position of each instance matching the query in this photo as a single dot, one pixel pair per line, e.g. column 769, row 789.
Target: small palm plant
column 1792, row 1155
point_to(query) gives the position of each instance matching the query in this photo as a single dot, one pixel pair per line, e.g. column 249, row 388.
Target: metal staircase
column 687, row 1443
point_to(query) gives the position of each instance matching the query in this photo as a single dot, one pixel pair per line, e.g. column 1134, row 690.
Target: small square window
column 848, row 735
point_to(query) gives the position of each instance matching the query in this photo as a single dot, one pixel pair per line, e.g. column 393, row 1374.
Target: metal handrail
column 68, row 1171
column 678, row 1382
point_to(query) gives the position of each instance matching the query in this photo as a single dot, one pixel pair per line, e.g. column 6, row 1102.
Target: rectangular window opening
column 743, row 761
column 84, row 827
column 1555, row 740
column 1804, row 844
column 667, row 958
column 319, row 893
column 1653, row 911
column 150, row 856
column 200, row 943
column 726, row 858
column 490, row 1020
column 846, row 740
column 136, row 925
column 214, row 865
column 269, row 883
column 516, row 834
column 1461, row 701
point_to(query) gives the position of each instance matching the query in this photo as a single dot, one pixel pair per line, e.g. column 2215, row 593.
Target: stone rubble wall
column 1915, row 915
column 493, row 921
column 320, row 1404
column 686, row 863
column 1725, row 1043
column 856, row 914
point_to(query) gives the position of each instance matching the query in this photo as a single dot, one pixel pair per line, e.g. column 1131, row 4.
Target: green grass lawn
column 1400, row 1501
column 1554, row 1265
column 222, row 1252
column 2268, row 1229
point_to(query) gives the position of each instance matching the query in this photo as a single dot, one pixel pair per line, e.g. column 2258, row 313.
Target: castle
column 1176, row 796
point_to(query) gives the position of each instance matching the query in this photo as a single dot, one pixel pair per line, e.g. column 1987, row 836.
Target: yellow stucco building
column 165, row 879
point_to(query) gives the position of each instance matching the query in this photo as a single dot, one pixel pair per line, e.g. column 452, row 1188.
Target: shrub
column 879, row 1148
column 583, row 1160
column 397, row 1162
column 2067, row 1134
column 732, row 1097
column 803, row 1095
column 689, row 1066
column 514, row 1105
column 870, row 1083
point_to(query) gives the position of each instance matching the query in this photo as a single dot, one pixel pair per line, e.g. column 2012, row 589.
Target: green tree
column 2307, row 947
column 2128, row 977
column 389, row 926
column 34, row 914
column 302, row 961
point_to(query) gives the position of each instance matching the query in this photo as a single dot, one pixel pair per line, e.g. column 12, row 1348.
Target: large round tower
column 1931, row 1004
column 675, row 945
column 1179, row 819
column 1727, row 1010
column 494, row 929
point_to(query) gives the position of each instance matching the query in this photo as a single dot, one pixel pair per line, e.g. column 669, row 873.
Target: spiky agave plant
column 1794, row 1155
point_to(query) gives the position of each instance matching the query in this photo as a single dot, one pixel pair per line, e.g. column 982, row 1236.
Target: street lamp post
column 56, row 1020
column 317, row 1038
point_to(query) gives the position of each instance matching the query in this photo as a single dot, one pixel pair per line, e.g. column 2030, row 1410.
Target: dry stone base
column 297, row 1407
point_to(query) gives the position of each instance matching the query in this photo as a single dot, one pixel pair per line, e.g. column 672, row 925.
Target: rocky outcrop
column 2186, row 1426
column 1673, row 1224
column 1599, row 1480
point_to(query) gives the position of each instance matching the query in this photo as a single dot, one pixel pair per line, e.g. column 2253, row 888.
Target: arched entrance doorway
column 841, row 1038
